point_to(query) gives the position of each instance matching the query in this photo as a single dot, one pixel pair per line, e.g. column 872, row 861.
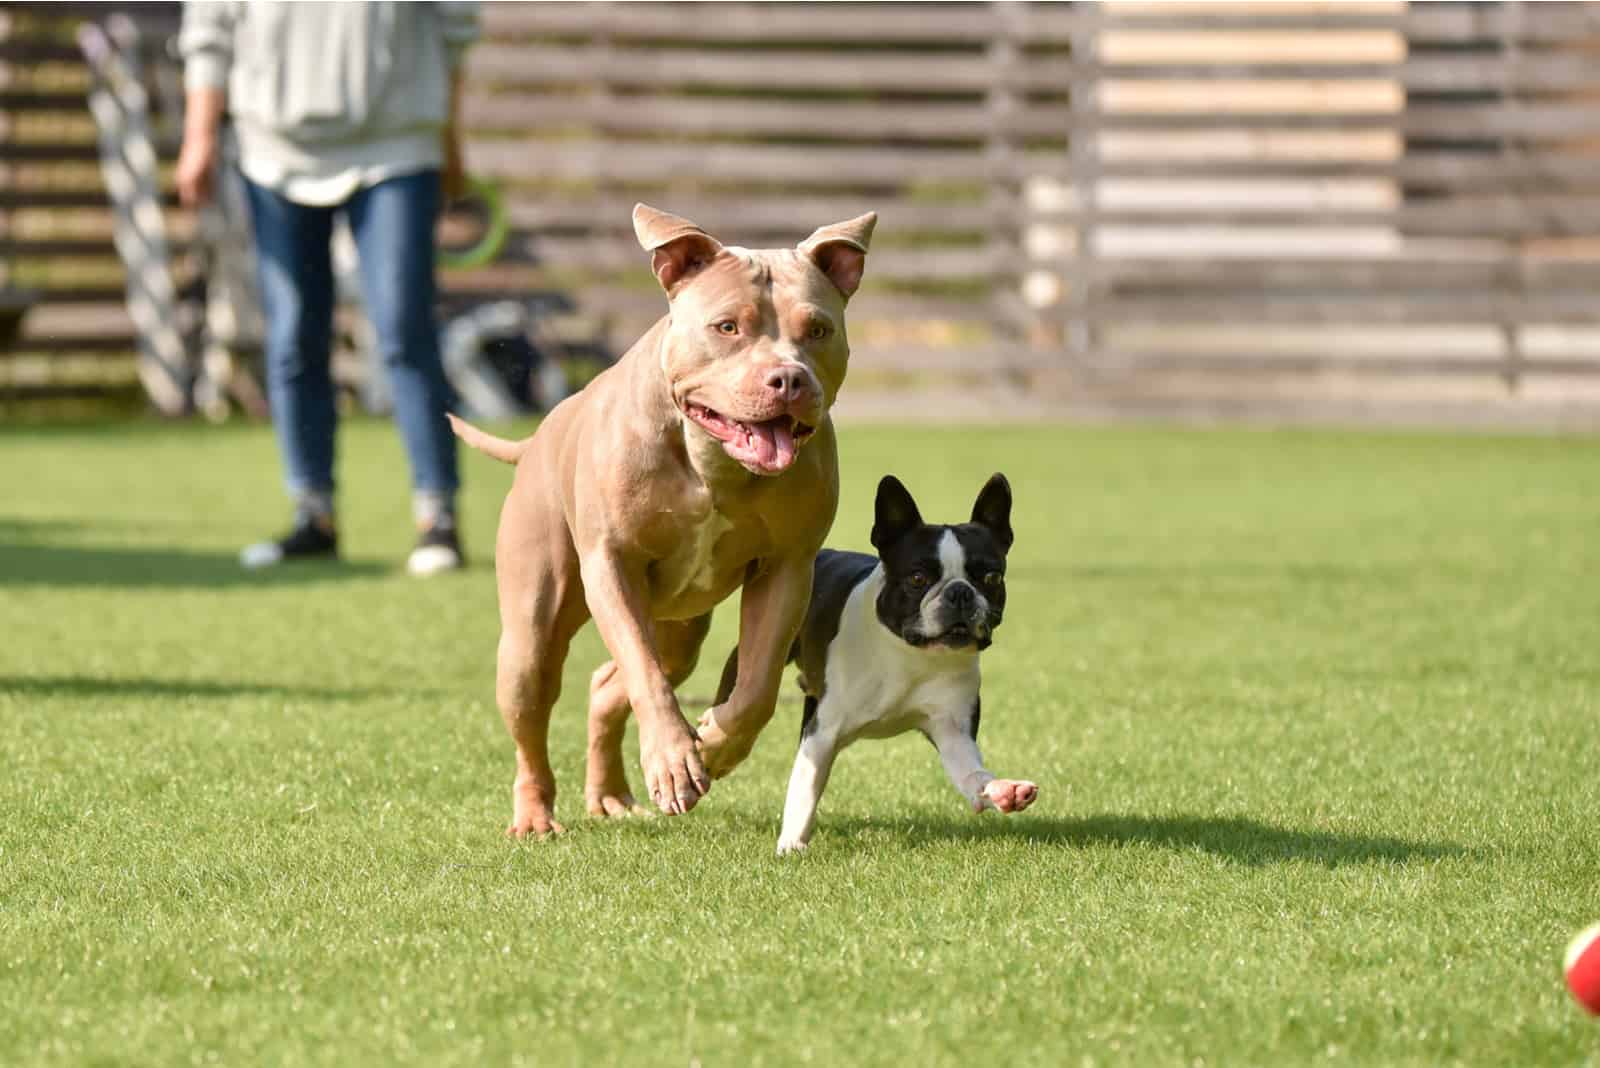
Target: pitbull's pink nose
column 791, row 384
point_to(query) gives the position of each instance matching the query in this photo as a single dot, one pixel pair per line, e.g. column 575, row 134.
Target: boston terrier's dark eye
column 918, row 580
column 993, row 579
column 727, row 326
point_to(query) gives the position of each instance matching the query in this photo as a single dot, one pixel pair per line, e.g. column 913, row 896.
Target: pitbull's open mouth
column 766, row 448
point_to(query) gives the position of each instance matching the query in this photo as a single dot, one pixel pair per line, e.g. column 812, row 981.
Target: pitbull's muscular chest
column 706, row 566
column 712, row 541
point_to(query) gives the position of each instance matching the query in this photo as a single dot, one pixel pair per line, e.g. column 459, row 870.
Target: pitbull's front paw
column 722, row 750
column 674, row 774
column 533, row 811
column 790, row 845
column 1010, row 795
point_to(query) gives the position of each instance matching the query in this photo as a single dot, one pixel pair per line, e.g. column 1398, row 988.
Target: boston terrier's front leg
column 818, row 746
column 956, row 738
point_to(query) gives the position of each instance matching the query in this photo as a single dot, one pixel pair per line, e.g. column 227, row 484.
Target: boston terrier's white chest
column 878, row 686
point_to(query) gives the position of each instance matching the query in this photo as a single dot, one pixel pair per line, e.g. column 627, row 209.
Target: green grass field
column 1315, row 718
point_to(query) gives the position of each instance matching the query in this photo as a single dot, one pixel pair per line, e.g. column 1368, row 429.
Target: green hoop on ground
column 497, row 226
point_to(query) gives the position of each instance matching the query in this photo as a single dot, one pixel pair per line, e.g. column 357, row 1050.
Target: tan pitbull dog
column 703, row 462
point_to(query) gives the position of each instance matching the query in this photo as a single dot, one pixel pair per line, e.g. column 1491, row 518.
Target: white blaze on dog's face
column 944, row 585
column 759, row 348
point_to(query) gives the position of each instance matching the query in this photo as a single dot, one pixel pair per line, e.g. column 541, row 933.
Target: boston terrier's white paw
column 1010, row 795
column 790, row 845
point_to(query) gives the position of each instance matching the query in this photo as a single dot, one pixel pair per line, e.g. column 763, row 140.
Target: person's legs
column 393, row 224
column 295, row 275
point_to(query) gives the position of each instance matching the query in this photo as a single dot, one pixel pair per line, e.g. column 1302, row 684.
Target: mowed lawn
column 1315, row 718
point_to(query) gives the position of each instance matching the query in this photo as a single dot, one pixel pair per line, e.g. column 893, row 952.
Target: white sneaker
column 437, row 550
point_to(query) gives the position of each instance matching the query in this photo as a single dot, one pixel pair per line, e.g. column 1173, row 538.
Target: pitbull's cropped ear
column 895, row 514
column 993, row 509
column 840, row 251
column 679, row 247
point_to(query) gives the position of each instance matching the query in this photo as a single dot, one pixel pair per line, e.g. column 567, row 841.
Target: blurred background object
column 1377, row 211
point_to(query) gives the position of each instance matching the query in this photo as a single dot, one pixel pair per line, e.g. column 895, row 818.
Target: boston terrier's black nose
column 960, row 596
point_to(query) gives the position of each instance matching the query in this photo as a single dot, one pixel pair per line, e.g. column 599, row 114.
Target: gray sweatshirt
column 327, row 97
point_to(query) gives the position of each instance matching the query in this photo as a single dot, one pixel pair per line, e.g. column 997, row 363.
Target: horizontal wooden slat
column 783, row 217
column 1520, row 170
column 99, row 345
column 1263, row 70
column 1503, row 215
column 1177, row 216
column 814, row 71
column 1437, row 23
column 1457, row 23
column 1419, row 365
column 39, row 229
column 51, row 320
column 1494, row 306
column 1226, row 119
column 1524, row 121
column 1169, row 18
column 634, row 161
column 1385, row 275
column 969, row 359
column 82, row 294
column 1529, row 70
column 13, row 198
column 1418, row 73
column 74, row 248
column 733, row 119
column 1437, row 168
column 760, row 23
column 31, row 393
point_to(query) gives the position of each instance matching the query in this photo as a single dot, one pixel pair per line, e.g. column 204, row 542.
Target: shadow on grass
column 1239, row 840
column 27, row 558
column 75, row 686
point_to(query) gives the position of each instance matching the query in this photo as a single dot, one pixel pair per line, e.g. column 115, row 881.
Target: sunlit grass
column 1314, row 717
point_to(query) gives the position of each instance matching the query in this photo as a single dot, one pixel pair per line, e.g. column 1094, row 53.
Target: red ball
column 1583, row 968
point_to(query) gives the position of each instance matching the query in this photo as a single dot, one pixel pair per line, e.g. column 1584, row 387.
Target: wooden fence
column 1402, row 197
column 1126, row 199
column 56, row 250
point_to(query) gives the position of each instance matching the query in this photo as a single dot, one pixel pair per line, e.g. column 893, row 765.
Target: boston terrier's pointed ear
column 895, row 514
column 840, row 251
column 679, row 248
column 993, row 509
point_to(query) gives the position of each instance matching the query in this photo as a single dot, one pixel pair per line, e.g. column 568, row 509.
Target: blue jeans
column 393, row 226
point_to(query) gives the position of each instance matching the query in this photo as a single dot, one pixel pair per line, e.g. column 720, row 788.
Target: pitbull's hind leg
column 541, row 608
column 606, row 789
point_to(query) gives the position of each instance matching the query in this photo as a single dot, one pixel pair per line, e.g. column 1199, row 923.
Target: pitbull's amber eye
column 818, row 331
column 727, row 326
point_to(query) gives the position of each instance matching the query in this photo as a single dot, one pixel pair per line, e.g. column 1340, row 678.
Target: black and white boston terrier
column 891, row 644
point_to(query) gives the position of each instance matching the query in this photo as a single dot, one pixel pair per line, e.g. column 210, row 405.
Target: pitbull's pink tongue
column 774, row 443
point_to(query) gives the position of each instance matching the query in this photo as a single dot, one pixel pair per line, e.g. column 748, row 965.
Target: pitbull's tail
column 507, row 452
